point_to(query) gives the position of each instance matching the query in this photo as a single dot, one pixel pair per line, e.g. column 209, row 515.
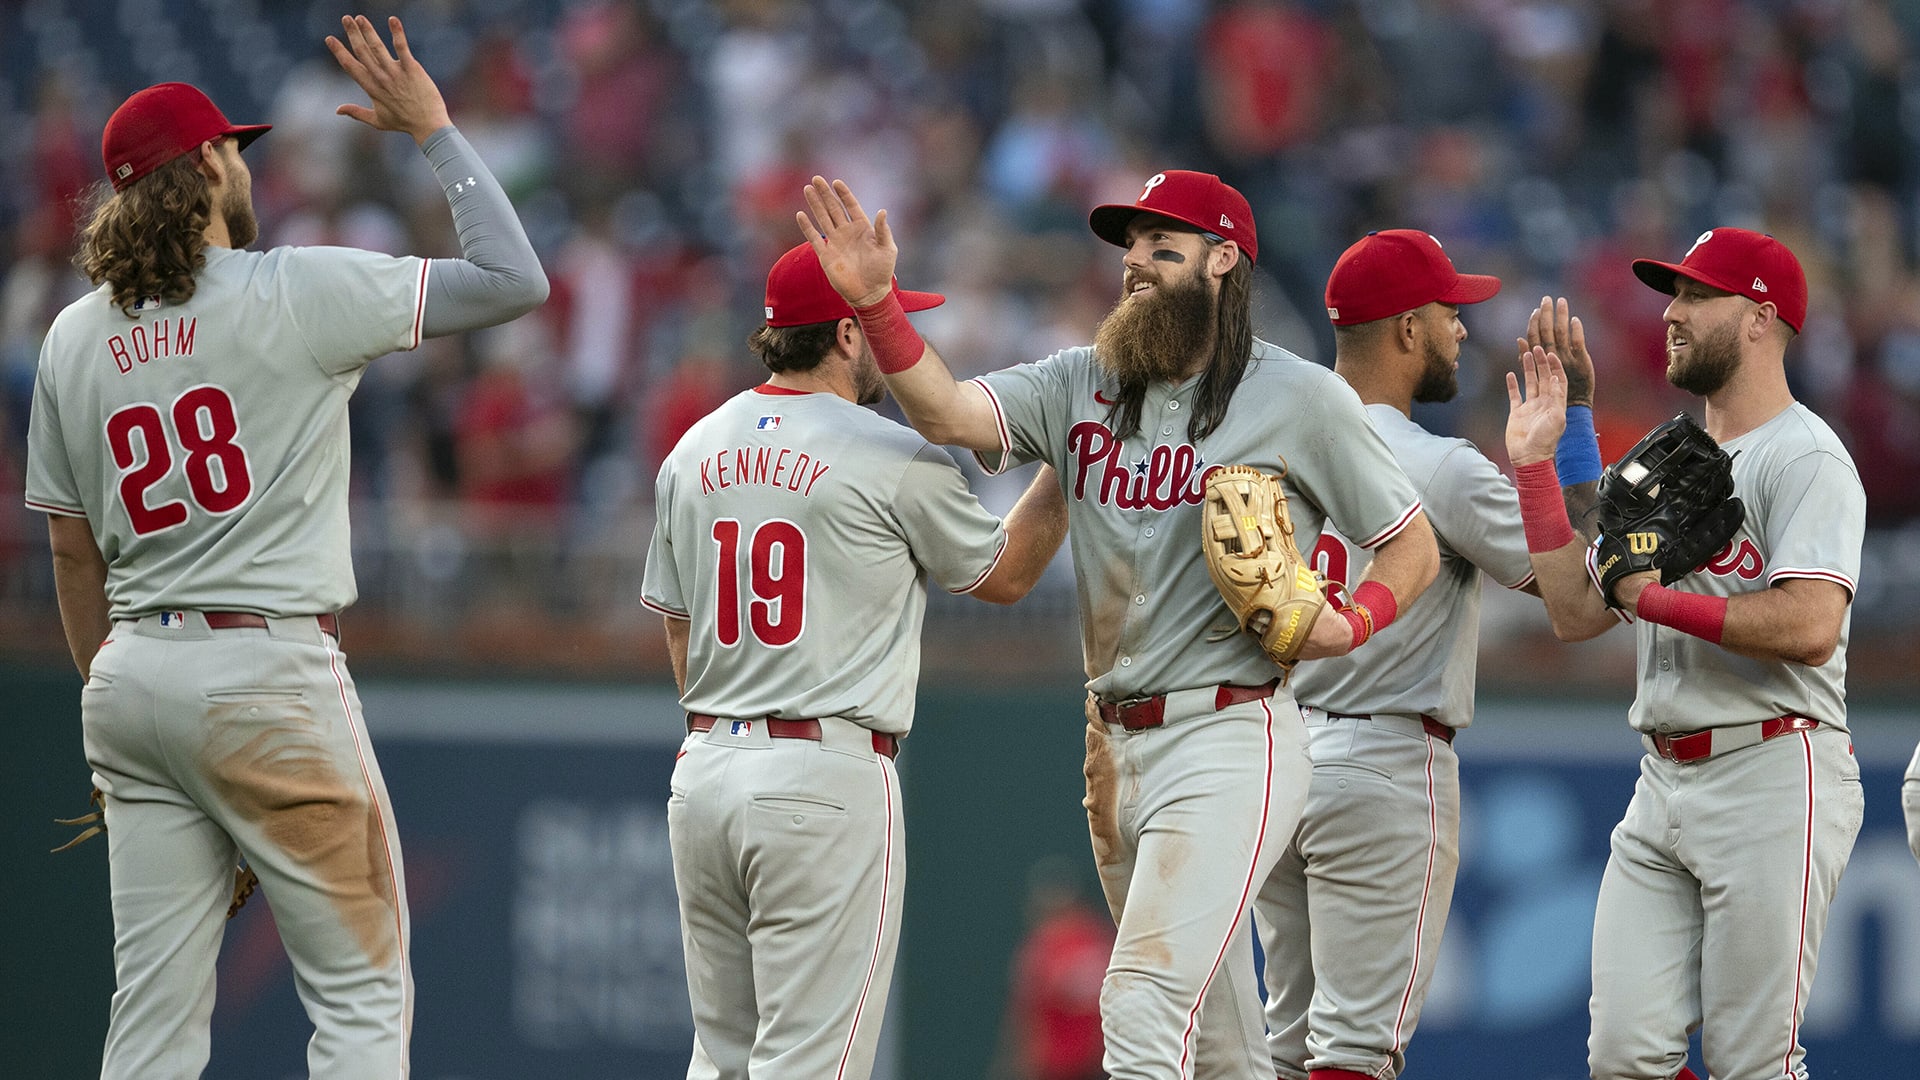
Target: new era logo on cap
column 1200, row 200
column 1738, row 261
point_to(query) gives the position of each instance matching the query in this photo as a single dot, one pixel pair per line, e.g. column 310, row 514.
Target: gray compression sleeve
column 499, row 278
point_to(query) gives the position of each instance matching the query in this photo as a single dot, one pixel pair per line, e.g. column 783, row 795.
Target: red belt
column 1699, row 744
column 795, row 729
column 228, row 620
column 1433, row 727
column 1139, row 714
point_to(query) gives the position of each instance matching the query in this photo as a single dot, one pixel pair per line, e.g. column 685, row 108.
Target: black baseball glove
column 1668, row 505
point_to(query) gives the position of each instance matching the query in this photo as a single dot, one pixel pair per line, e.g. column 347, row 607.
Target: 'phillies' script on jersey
column 761, row 465
column 141, row 343
column 1165, row 478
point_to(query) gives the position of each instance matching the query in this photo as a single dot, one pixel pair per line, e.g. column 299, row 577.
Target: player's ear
column 1761, row 320
column 1406, row 330
column 1223, row 257
column 207, row 159
column 846, row 336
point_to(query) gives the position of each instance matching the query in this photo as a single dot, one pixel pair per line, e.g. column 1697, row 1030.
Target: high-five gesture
column 403, row 94
column 1536, row 419
column 1551, row 328
column 858, row 255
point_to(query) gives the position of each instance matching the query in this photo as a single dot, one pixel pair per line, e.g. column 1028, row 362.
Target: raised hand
column 1536, row 420
column 858, row 255
column 403, row 94
column 1551, row 328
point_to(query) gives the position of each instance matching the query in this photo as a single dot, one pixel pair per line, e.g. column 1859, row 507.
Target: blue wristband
column 1577, row 458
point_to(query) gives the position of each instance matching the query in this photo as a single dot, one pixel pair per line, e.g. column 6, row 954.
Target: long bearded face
column 1703, row 365
column 1439, row 377
column 1152, row 335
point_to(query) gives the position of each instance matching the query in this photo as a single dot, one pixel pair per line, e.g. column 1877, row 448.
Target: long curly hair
column 150, row 239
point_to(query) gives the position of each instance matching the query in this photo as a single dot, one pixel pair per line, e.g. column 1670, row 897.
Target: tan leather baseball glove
column 1247, row 537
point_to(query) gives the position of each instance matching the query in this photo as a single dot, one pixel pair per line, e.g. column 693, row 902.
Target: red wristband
column 1704, row 617
column 1372, row 609
column 896, row 345
column 1543, row 511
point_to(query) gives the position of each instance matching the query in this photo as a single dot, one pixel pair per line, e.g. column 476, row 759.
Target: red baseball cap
column 799, row 294
column 1199, row 199
column 1742, row 262
column 1396, row 270
column 159, row 124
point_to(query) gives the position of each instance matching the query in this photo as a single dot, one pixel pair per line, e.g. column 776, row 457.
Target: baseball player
column 1714, row 899
column 1351, row 917
column 1910, row 800
column 1197, row 757
column 188, row 443
column 794, row 536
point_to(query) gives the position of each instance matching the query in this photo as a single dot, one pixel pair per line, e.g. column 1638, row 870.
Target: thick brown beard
column 1155, row 336
column 1437, row 380
column 1710, row 361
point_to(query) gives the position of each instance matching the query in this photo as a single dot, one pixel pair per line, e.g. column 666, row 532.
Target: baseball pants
column 1351, row 918
column 1713, row 904
column 215, row 744
column 1201, row 809
column 789, row 856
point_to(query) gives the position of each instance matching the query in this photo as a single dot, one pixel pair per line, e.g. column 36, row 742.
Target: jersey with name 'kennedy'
column 796, row 533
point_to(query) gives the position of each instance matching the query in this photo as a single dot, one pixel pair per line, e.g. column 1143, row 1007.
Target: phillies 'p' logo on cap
column 1738, row 261
column 1200, row 200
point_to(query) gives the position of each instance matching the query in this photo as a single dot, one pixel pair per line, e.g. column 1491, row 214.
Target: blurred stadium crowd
column 656, row 149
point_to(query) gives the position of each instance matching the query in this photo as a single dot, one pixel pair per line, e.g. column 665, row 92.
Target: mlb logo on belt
column 769, row 423
column 742, row 728
column 173, row 620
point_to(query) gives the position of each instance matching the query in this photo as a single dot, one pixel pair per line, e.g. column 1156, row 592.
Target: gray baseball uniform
column 1711, row 910
column 1213, row 772
column 1910, row 800
column 1352, row 915
column 796, row 533
column 205, row 443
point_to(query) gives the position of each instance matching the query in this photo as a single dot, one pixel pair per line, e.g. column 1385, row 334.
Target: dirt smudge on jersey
column 278, row 771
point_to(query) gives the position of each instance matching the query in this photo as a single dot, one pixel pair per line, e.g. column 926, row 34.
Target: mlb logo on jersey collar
column 769, row 423
column 173, row 620
column 741, row 728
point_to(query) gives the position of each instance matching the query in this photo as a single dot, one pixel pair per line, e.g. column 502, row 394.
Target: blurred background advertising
column 502, row 480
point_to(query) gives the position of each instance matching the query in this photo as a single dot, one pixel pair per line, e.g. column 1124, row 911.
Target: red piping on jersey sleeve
column 419, row 305
column 984, row 574
column 1393, row 530
column 1523, row 582
column 50, row 508
column 1811, row 574
column 667, row 611
column 1006, row 440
